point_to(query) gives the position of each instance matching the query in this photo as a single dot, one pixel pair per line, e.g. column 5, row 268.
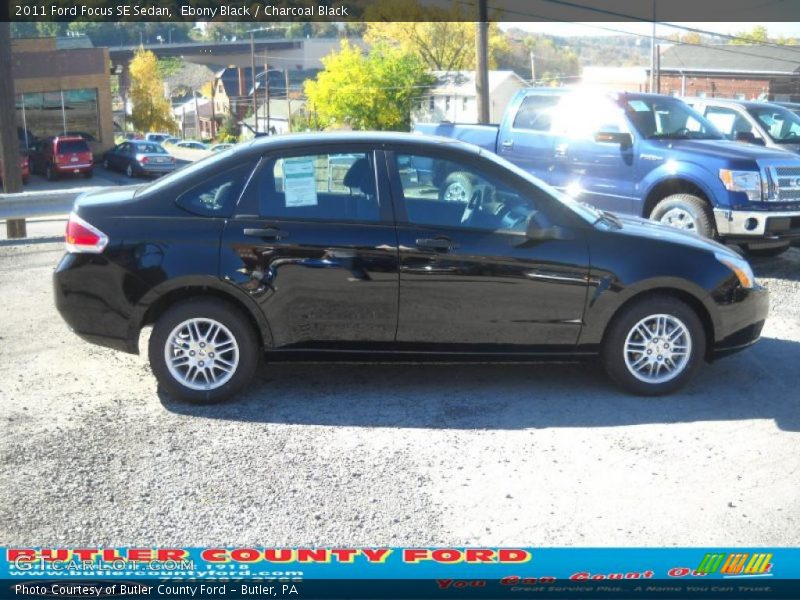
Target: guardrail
column 40, row 204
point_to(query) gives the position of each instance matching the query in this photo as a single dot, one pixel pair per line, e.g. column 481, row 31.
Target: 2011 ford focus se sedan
column 390, row 246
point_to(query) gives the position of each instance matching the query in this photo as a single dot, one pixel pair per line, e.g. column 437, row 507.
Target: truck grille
column 784, row 184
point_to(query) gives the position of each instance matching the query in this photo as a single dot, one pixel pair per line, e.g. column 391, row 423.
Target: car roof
column 293, row 140
column 732, row 102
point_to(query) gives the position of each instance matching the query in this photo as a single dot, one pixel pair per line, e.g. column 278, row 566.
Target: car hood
column 727, row 149
column 644, row 228
column 790, row 147
column 109, row 195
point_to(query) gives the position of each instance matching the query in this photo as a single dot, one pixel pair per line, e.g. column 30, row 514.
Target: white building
column 454, row 98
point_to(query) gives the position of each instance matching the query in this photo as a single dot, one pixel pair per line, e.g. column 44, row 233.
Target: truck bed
column 484, row 136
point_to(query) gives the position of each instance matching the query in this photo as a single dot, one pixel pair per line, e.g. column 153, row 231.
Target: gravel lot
column 390, row 454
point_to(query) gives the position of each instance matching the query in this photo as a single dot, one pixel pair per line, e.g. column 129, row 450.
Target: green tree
column 151, row 110
column 757, row 35
column 375, row 91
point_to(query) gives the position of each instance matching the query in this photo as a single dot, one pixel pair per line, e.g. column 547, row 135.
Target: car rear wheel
column 88, row 174
column 654, row 346
column 106, row 164
column 203, row 351
column 686, row 212
column 50, row 173
column 129, row 171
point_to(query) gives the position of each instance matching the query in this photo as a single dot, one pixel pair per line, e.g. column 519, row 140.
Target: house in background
column 278, row 120
column 742, row 72
column 615, row 79
column 195, row 118
column 453, row 97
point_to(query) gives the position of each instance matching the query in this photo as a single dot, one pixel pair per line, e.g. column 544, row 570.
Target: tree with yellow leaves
column 151, row 110
column 443, row 38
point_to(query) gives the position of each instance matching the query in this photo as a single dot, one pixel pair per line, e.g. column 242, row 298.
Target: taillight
column 84, row 238
column 142, row 159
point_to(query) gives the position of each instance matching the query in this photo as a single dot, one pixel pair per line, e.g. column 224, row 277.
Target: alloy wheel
column 658, row 348
column 201, row 354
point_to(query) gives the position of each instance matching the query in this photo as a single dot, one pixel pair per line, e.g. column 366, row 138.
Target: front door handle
column 266, row 233
column 507, row 144
column 561, row 150
column 442, row 244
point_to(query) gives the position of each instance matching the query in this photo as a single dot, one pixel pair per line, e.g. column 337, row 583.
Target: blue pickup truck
column 646, row 155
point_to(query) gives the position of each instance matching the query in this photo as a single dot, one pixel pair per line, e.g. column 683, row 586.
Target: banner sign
column 383, row 572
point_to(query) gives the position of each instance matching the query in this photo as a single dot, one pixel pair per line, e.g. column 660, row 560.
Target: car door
column 313, row 242
column 470, row 278
column 118, row 156
column 527, row 140
column 588, row 168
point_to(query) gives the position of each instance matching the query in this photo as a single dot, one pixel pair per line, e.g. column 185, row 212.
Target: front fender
column 697, row 175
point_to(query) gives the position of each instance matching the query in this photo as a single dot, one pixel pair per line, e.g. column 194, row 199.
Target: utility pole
column 213, row 110
column 9, row 140
column 288, row 102
column 482, row 62
column 253, row 80
column 266, row 90
column 658, row 68
column 653, row 51
column 533, row 68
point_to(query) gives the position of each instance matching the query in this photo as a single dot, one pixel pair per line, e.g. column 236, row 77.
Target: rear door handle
column 507, row 143
column 266, row 233
column 441, row 244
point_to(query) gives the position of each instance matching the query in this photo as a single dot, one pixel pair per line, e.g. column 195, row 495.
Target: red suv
column 24, row 166
column 61, row 155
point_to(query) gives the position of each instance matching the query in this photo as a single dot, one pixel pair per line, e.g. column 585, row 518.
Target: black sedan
column 139, row 157
column 351, row 245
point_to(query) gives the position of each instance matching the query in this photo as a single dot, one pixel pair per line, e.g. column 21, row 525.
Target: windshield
column 585, row 211
column 657, row 117
column 782, row 125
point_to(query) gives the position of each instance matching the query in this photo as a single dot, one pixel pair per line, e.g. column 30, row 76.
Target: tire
column 624, row 339
column 233, row 326
column 129, row 171
column 457, row 187
column 50, row 173
column 687, row 212
column 88, row 174
column 766, row 252
column 106, row 164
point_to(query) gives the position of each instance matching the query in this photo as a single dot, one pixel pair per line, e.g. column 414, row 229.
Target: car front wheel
column 687, row 212
column 654, row 346
column 203, row 351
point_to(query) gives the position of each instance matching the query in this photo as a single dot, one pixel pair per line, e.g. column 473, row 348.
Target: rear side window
column 217, row 195
column 334, row 187
column 72, row 146
column 536, row 113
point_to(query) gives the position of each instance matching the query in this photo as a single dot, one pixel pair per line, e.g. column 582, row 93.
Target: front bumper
column 741, row 318
column 757, row 224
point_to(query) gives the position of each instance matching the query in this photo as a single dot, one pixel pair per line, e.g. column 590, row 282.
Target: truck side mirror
column 614, row 137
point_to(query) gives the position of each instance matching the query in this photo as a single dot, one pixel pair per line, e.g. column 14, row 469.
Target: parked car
column 220, row 147
column 650, row 156
column 156, row 137
column 62, row 155
column 274, row 246
column 792, row 106
column 24, row 165
column 171, row 140
column 760, row 123
column 87, row 136
column 191, row 145
column 138, row 157
column 133, row 135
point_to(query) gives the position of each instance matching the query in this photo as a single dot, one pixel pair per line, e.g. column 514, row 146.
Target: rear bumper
column 74, row 168
column 744, row 225
column 741, row 321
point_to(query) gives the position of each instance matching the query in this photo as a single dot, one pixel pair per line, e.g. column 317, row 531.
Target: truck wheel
column 654, row 346
column 767, row 252
column 50, row 173
column 457, row 187
column 687, row 212
column 203, row 351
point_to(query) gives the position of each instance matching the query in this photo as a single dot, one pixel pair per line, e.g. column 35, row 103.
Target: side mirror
column 748, row 137
column 540, row 229
column 614, row 137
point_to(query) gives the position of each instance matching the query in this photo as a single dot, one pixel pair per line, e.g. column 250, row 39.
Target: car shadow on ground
column 755, row 384
column 786, row 266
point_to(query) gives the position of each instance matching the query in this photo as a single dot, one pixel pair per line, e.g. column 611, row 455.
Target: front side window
column 447, row 193
column 782, row 125
column 667, row 118
column 728, row 121
column 334, row 187
column 576, row 121
column 217, row 195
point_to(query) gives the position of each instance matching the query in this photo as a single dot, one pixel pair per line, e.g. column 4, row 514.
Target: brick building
column 62, row 88
column 742, row 72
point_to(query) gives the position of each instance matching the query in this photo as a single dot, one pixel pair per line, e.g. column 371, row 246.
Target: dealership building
column 62, row 86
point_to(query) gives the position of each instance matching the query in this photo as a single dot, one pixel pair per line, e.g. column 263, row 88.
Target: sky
column 571, row 29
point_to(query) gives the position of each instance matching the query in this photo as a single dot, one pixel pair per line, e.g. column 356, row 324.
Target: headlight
column 742, row 269
column 748, row 182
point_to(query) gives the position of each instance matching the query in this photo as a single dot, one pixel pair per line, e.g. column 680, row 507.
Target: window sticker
column 299, row 182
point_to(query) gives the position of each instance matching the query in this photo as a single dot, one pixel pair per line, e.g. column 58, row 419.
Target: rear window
column 72, row 146
column 150, row 149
